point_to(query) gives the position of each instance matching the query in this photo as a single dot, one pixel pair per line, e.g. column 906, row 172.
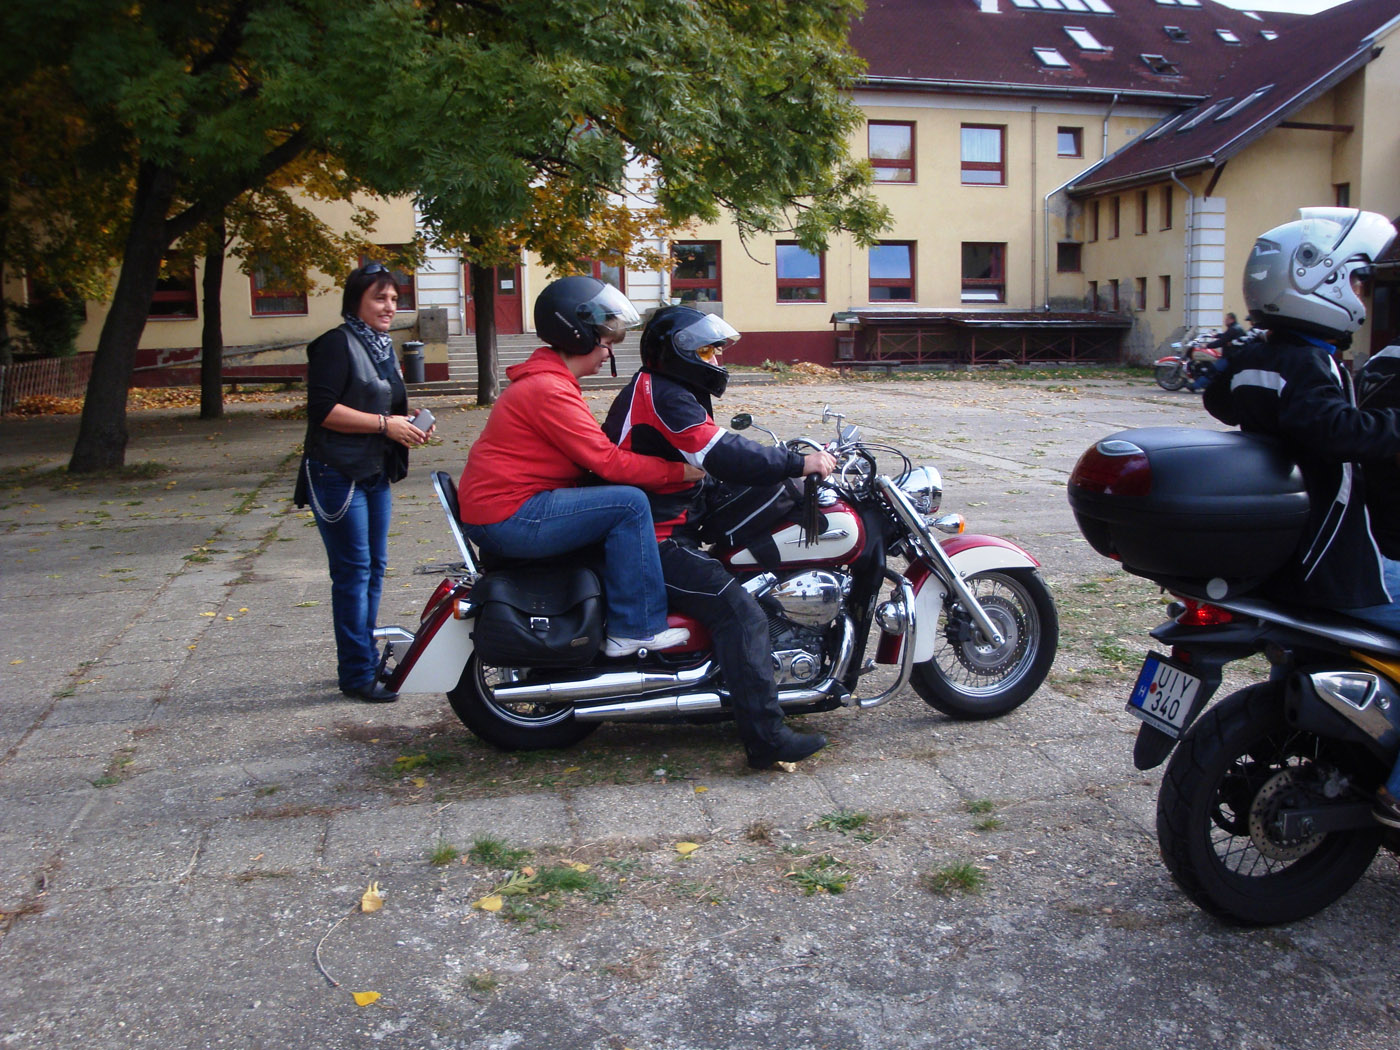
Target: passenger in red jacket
column 520, row 494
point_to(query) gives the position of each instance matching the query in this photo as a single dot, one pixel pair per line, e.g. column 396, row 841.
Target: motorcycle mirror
column 741, row 422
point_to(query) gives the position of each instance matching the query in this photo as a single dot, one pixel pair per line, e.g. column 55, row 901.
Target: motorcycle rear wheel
column 969, row 681
column 1231, row 770
column 1170, row 377
column 509, row 725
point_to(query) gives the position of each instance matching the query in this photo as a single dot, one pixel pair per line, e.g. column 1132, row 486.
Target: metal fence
column 52, row 377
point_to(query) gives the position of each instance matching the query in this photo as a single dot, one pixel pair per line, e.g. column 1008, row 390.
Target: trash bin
column 413, row 362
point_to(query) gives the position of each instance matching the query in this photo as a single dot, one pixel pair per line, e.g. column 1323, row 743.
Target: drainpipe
column 1190, row 219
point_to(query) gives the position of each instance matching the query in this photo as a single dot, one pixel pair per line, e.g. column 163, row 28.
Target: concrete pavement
column 190, row 811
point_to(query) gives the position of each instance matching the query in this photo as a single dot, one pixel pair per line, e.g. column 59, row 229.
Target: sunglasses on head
column 371, row 269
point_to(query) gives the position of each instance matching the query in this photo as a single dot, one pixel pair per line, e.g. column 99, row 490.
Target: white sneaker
column 616, row 645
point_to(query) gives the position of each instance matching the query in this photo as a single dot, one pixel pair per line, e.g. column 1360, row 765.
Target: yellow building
column 1067, row 179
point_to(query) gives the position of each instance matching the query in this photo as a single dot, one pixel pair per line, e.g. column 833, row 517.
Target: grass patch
column 843, row 820
column 493, row 853
column 825, row 874
column 963, row 877
column 443, row 853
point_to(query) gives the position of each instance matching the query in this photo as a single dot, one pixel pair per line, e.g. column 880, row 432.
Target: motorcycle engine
column 809, row 603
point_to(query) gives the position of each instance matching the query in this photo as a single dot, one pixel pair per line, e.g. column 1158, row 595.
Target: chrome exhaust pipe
column 606, row 686
column 650, row 707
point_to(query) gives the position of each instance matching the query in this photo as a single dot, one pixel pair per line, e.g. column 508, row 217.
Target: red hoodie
column 541, row 436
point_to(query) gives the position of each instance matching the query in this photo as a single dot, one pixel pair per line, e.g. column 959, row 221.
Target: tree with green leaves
column 728, row 107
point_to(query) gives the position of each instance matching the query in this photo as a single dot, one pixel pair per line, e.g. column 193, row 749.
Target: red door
column 509, row 316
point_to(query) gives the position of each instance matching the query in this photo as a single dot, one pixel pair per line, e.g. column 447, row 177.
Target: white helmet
column 1300, row 274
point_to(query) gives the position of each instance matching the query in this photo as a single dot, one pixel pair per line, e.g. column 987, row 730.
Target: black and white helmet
column 1301, row 275
column 682, row 343
column 575, row 314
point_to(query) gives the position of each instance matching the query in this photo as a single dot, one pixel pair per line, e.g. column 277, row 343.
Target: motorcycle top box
column 1191, row 504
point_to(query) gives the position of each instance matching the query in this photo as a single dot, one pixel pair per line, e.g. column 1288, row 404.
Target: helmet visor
column 706, row 330
column 611, row 312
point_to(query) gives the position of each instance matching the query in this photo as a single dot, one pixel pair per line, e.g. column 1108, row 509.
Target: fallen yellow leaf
column 700, row 789
column 685, row 849
column 578, row 866
column 491, row 903
column 373, row 898
column 419, row 782
column 365, row 998
column 208, row 614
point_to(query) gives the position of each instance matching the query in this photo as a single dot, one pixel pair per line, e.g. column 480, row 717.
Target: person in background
column 358, row 433
column 1221, row 341
column 1304, row 282
column 666, row 410
column 522, row 493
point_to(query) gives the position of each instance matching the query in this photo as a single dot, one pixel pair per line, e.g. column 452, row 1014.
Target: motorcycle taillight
column 1113, row 467
column 1203, row 614
column 442, row 590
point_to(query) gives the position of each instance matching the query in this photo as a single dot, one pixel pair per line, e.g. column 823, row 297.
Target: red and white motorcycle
column 966, row 619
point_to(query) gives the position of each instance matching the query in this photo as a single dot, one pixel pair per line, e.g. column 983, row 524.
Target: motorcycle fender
column 970, row 554
column 1170, row 359
column 437, row 655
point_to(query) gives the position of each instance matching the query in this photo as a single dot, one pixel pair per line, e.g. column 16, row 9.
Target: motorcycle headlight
column 924, row 487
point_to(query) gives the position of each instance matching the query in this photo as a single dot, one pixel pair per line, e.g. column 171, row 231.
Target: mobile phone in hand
column 423, row 420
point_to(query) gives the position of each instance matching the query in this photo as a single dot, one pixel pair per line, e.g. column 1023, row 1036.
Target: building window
column 1115, row 215
column 1165, row 282
column 1227, row 35
column 1093, row 220
column 1084, row 38
column 1142, row 212
column 1341, row 193
column 1139, row 293
column 1161, row 66
column 696, row 275
column 177, row 295
column 1093, row 295
column 1177, row 33
column 403, row 279
column 610, row 273
column 1113, row 301
column 891, row 146
column 273, row 291
column 1051, row 57
column 801, row 275
column 983, row 273
column 983, row 155
column 1167, row 199
column 892, row 272
column 1069, row 257
column 1069, row 142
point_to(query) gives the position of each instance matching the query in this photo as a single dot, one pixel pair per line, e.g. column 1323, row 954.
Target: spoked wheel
column 482, row 702
column 969, row 679
column 1170, row 377
column 1231, row 775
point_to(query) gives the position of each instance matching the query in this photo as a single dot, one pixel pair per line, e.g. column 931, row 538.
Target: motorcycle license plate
column 1164, row 695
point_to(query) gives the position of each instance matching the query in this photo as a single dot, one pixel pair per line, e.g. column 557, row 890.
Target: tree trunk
column 102, row 434
column 211, row 356
column 488, row 383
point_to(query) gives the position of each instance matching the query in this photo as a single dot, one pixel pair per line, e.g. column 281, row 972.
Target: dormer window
column 1085, row 39
column 1177, row 33
column 1159, row 65
column 1051, row 57
column 1227, row 35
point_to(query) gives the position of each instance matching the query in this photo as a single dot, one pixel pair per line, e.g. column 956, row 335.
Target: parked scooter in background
column 1194, row 360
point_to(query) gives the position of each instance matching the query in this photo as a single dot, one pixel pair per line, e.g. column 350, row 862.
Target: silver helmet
column 1300, row 275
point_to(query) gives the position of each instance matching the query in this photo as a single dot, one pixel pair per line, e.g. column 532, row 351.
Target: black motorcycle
column 1265, row 809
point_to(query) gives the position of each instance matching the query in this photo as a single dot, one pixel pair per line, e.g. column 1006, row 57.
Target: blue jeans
column 353, row 519
column 560, row 520
column 1387, row 618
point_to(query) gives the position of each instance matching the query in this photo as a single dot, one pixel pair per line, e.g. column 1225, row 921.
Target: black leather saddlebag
column 538, row 617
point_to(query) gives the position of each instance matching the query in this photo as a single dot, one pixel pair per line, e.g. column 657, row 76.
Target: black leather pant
column 699, row 586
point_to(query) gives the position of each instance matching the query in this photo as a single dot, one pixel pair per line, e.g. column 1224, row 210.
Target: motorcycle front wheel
column 512, row 725
column 969, row 680
column 1170, row 377
column 1237, row 766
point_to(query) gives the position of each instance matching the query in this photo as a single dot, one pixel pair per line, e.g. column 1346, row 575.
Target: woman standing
column 358, row 433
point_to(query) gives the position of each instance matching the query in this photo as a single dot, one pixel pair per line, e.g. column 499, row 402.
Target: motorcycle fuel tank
column 839, row 544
